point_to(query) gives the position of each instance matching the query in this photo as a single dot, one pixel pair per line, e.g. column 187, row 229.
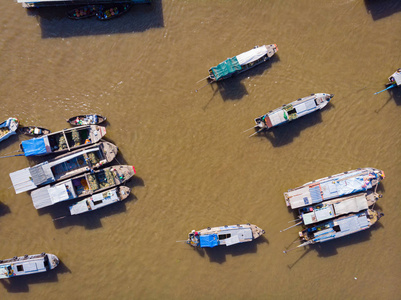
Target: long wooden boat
column 333, row 186
column 83, row 12
column 86, row 120
column 111, row 12
column 339, row 227
column 82, row 185
column 63, row 166
column 27, row 264
column 224, row 235
column 8, row 128
column 292, row 111
column 334, row 208
column 63, row 141
column 100, row 200
column 34, row 131
column 242, row 62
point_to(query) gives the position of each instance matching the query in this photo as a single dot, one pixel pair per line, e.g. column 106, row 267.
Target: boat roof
column 49, row 195
column 397, row 77
column 30, row 178
column 95, row 201
column 36, row 146
column 329, row 188
column 209, row 240
column 251, row 55
column 237, row 235
column 229, row 66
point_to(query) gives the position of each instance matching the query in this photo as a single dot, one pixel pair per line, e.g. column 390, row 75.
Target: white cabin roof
column 251, row 55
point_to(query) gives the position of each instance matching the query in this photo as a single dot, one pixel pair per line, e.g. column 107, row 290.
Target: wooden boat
column 339, row 227
column 393, row 81
column 86, row 120
column 83, row 12
column 292, row 111
column 64, row 166
column 111, row 12
column 334, row 186
column 8, row 128
column 34, row 131
column 334, row 208
column 82, row 185
column 27, row 264
column 224, row 235
column 63, row 141
column 100, row 200
column 242, row 62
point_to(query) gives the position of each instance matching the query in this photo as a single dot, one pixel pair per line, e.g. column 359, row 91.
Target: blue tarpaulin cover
column 34, row 147
column 209, row 240
column 229, row 66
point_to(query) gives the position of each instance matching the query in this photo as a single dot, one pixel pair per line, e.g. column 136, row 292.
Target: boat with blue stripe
column 346, row 183
column 292, row 111
column 8, row 128
column 224, row 235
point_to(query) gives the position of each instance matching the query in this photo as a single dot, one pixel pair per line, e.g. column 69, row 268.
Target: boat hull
column 8, row 128
column 86, row 120
column 34, row 131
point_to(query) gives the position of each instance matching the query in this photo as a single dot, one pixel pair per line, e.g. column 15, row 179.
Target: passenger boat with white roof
column 224, row 235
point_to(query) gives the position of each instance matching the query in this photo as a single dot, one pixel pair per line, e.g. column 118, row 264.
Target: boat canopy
column 209, row 240
column 229, row 66
column 251, row 55
column 36, row 146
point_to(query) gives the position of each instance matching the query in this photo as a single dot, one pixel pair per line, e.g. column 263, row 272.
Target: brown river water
column 195, row 165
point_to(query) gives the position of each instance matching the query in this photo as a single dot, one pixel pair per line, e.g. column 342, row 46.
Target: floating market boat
column 82, row 185
column 83, row 12
column 339, row 227
column 8, row 128
column 27, row 264
column 63, row 141
column 224, row 235
column 292, row 111
column 100, row 200
column 393, row 81
column 63, row 166
column 34, row 131
column 334, row 186
column 242, row 62
column 110, row 12
column 334, row 208
column 86, row 120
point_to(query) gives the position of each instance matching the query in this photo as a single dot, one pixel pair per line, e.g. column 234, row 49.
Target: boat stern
column 193, row 238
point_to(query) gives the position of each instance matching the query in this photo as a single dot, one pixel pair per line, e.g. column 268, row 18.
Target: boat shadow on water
column 234, row 89
column 394, row 95
column 20, row 284
column 382, row 8
column 4, row 209
column 54, row 22
column 218, row 254
column 285, row 134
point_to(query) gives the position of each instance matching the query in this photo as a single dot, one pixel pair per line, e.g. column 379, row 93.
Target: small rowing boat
column 83, row 12
column 8, row 128
column 334, row 186
column 63, row 141
column 27, row 264
column 292, row 111
column 100, row 200
column 63, row 166
column 339, row 227
column 82, row 185
column 86, row 120
column 111, row 12
column 34, row 131
column 224, row 235
column 242, row 62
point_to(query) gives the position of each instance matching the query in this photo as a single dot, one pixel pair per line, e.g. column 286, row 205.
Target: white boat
column 63, row 166
column 224, row 235
column 27, row 264
column 334, row 186
column 8, row 128
column 100, row 200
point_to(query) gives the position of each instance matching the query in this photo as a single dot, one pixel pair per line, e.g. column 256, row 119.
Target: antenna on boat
column 391, row 86
column 299, row 223
column 204, row 86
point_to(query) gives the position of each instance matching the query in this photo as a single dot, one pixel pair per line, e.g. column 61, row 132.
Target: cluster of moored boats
column 328, row 208
column 77, row 172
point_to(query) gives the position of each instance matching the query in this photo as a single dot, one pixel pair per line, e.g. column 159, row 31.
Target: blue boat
column 346, row 183
column 224, row 235
column 8, row 128
column 242, row 62
column 339, row 227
